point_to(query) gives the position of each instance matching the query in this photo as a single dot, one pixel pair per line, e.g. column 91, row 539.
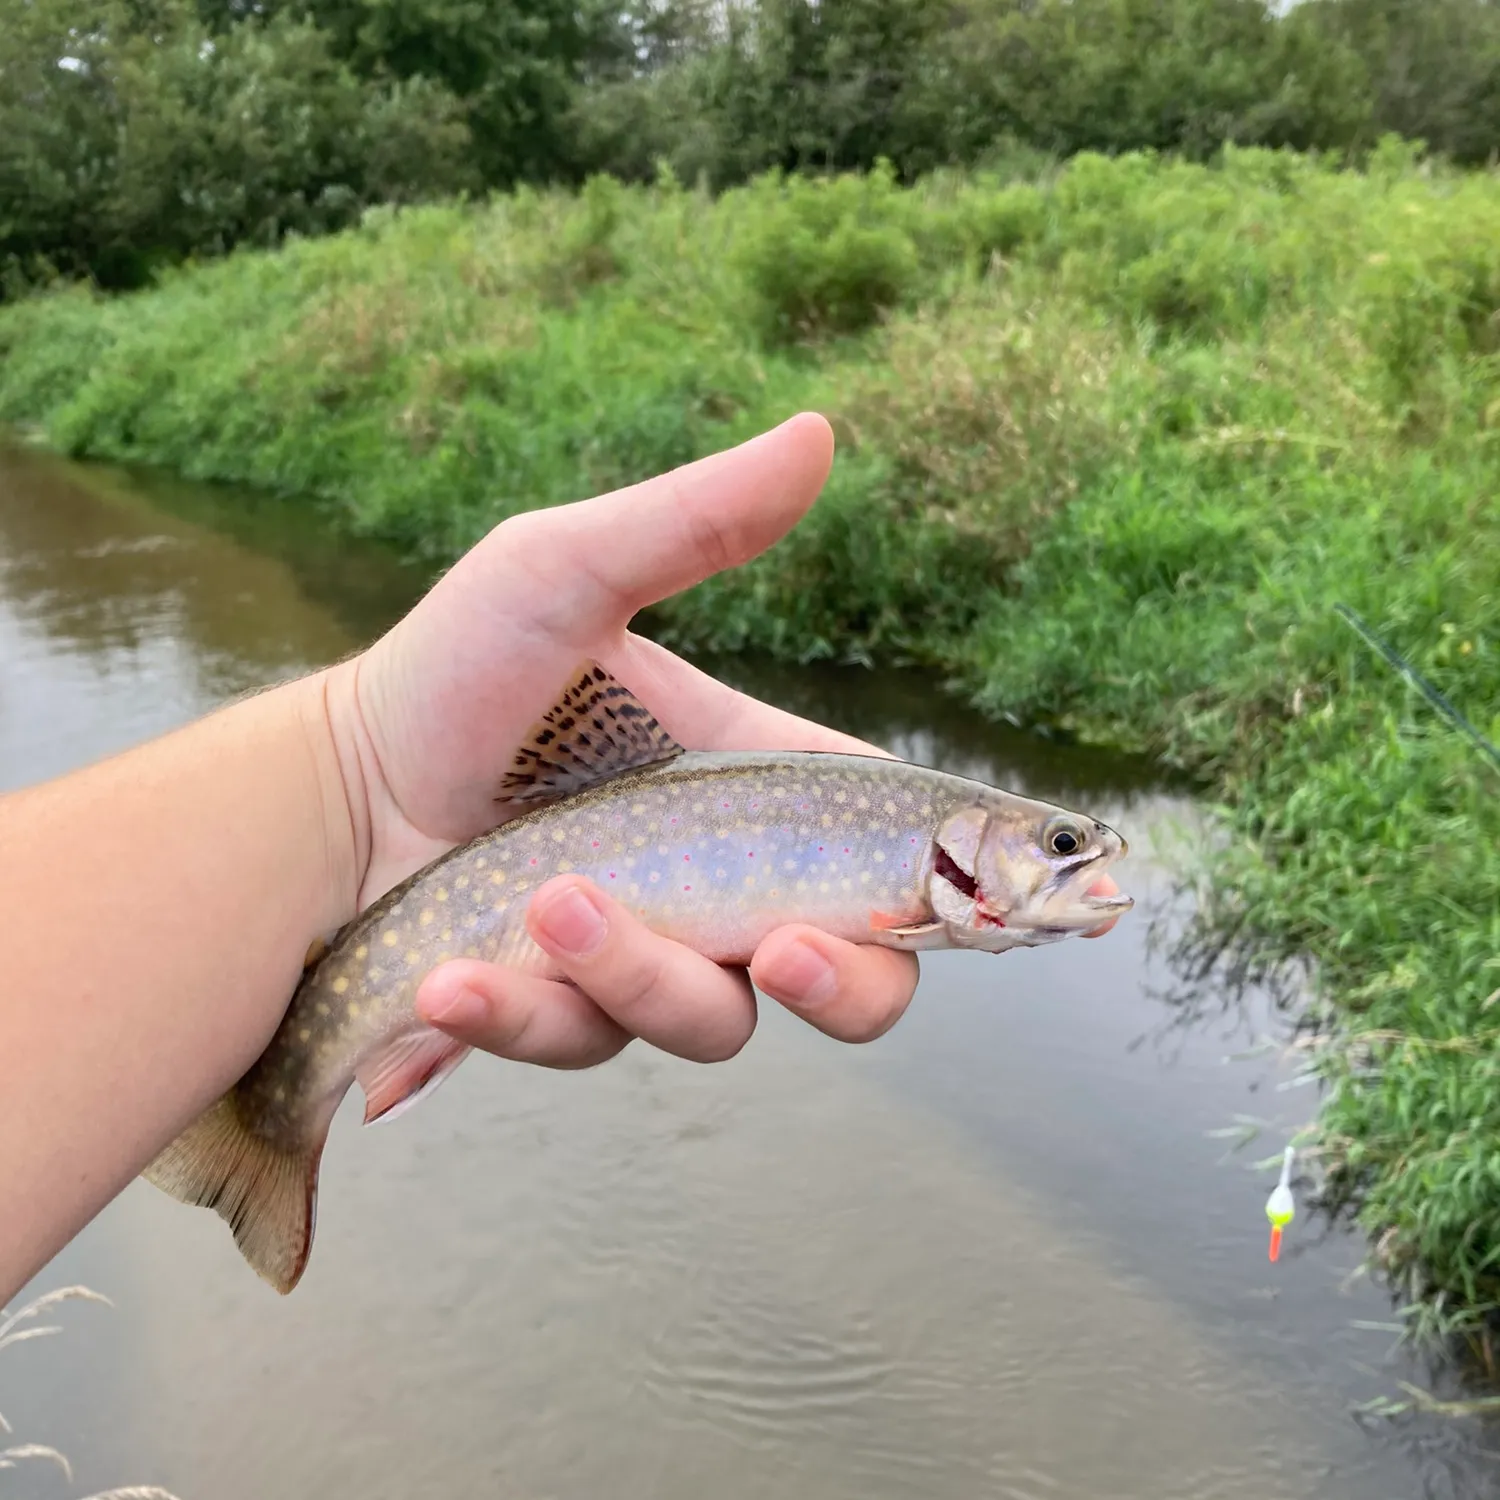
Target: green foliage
column 823, row 256
column 1113, row 442
column 131, row 141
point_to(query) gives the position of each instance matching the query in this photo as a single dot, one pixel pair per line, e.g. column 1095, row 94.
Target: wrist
column 321, row 705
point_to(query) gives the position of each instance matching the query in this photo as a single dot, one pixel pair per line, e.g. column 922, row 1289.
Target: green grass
column 1113, row 444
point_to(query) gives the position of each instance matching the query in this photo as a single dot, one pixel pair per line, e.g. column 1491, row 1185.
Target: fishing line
column 1423, row 686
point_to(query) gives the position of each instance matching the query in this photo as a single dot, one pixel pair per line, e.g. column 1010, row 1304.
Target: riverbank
column 1113, row 444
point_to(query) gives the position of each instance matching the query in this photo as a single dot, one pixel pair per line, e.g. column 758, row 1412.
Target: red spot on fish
column 846, row 851
column 687, row 887
column 820, row 848
column 596, row 843
column 612, row 875
column 724, row 804
column 674, row 822
column 687, row 858
column 533, row 861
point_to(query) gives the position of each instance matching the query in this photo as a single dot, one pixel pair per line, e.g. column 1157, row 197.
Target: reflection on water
column 995, row 1254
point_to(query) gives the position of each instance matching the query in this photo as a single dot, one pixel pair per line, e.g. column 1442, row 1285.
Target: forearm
column 156, row 909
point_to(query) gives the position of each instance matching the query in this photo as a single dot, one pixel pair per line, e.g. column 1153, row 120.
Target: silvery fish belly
column 715, row 850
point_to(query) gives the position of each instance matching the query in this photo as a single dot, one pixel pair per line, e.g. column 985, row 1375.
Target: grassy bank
column 1113, row 444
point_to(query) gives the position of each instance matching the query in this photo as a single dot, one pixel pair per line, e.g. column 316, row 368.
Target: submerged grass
column 1114, row 444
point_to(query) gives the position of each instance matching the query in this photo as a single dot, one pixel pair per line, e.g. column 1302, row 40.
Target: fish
column 715, row 849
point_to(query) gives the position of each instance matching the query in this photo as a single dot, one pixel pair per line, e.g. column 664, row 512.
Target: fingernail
column 801, row 975
column 464, row 1008
column 571, row 923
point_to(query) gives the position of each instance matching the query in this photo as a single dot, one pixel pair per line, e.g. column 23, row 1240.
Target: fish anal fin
column 406, row 1070
column 267, row 1193
column 598, row 730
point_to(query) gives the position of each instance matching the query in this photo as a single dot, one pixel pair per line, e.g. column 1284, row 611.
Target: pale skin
column 158, row 905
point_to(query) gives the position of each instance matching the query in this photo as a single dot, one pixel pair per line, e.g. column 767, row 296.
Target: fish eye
column 1062, row 837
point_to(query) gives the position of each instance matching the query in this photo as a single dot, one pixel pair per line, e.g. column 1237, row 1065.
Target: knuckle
column 713, row 541
column 635, row 969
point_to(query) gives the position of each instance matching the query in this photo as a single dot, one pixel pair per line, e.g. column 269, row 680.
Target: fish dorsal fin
column 598, row 730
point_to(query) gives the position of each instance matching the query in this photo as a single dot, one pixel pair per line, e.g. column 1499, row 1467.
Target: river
column 995, row 1254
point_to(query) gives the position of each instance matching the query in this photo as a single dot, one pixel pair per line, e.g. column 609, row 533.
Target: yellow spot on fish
column 498, row 877
column 879, row 856
column 339, row 986
column 890, row 806
column 304, row 1034
column 637, row 808
column 864, row 877
column 280, row 1095
column 353, row 1011
column 426, row 916
column 442, row 893
column 388, row 937
column 638, row 840
column 840, row 796
column 461, row 882
column 826, row 820
column 500, row 908
column 322, row 1008
column 481, row 862
column 559, row 834
column 823, row 886
column 446, row 934
column 749, row 882
column 412, row 956
column 361, row 951
column 564, row 865
column 522, row 885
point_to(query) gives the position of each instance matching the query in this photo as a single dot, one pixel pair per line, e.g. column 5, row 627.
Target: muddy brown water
column 996, row 1254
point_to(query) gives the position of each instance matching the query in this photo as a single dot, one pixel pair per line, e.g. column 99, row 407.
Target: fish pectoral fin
column 598, row 730
column 406, row 1070
column 911, row 936
column 267, row 1193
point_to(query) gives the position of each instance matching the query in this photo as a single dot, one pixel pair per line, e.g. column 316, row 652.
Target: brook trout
column 715, row 850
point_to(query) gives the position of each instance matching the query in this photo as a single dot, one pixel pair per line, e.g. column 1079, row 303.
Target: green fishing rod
column 1422, row 685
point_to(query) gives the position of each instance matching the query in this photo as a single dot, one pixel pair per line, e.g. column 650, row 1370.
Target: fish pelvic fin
column 265, row 1192
column 407, row 1070
column 596, row 731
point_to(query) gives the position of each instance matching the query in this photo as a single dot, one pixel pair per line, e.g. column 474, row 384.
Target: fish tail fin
column 265, row 1192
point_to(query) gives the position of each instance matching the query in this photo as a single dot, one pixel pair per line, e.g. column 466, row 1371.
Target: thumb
column 580, row 571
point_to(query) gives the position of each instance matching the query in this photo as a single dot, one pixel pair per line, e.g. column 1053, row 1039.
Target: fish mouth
column 1073, row 905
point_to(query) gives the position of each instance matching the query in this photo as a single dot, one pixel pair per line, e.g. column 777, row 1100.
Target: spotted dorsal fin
column 598, row 730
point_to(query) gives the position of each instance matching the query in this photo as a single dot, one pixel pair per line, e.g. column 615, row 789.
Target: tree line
column 137, row 133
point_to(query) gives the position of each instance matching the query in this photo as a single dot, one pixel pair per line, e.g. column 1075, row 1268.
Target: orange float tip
column 1275, row 1241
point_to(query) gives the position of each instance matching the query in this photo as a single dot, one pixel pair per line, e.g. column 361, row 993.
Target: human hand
column 427, row 720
